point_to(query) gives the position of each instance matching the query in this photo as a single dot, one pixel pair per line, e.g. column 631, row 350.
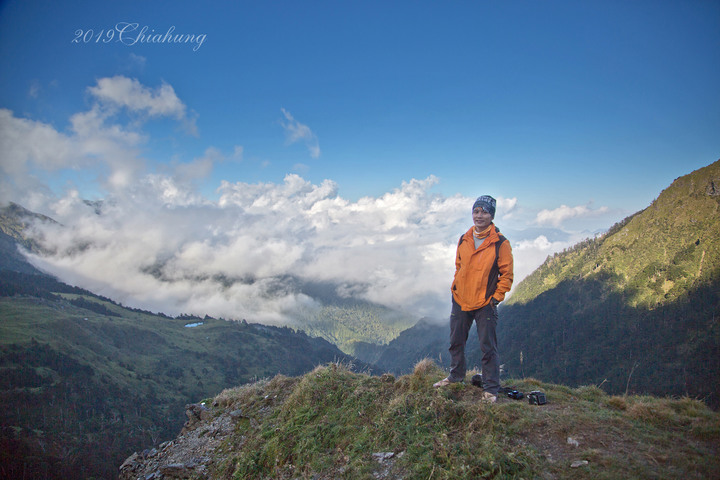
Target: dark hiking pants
column 485, row 319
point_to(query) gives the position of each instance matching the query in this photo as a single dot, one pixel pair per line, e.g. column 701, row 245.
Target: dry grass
column 328, row 423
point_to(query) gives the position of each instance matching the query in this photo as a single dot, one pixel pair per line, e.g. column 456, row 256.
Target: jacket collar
column 491, row 239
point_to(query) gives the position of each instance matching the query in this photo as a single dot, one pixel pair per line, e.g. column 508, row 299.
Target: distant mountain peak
column 16, row 219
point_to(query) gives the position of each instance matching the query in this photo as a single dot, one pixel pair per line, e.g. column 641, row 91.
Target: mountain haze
column 14, row 222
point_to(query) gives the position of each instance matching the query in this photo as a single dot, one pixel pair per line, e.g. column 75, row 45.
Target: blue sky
column 574, row 114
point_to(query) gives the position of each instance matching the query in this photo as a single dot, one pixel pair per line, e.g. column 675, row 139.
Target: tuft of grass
column 425, row 367
column 329, row 423
column 617, row 403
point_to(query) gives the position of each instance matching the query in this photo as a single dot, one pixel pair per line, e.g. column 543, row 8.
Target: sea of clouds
column 155, row 242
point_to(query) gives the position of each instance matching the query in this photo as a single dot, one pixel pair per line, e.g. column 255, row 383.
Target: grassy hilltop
column 333, row 423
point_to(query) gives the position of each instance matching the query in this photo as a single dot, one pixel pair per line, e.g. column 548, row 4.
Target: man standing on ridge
column 483, row 275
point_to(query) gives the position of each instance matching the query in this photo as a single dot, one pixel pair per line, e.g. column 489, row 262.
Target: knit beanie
column 487, row 203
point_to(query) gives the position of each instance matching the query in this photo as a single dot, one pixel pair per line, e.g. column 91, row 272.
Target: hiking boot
column 442, row 383
column 488, row 397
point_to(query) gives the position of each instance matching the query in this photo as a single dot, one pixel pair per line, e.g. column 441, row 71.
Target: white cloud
column 506, row 206
column 164, row 249
column 136, row 62
column 200, row 167
column 530, row 253
column 248, row 254
column 97, row 141
column 35, row 89
column 296, row 131
column 559, row 215
column 24, row 142
column 300, row 168
column 129, row 93
column 159, row 244
column 237, row 153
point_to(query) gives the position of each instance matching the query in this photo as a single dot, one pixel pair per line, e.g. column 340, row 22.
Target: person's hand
column 494, row 302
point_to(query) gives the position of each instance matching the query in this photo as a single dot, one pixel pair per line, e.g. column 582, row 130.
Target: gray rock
column 175, row 470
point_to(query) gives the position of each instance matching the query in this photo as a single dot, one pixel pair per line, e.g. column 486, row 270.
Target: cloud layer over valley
column 251, row 250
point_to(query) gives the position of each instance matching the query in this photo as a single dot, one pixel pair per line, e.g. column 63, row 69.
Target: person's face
column 481, row 218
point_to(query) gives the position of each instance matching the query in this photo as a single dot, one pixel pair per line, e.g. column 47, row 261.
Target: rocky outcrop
column 713, row 188
column 191, row 454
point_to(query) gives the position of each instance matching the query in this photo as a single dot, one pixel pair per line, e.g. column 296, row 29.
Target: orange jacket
column 476, row 278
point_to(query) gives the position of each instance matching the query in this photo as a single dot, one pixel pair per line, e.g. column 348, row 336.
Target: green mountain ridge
column 85, row 381
column 351, row 325
column 426, row 339
column 655, row 255
column 635, row 309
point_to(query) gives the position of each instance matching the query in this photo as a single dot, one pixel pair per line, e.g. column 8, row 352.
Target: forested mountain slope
column 85, row 381
column 636, row 309
column 656, row 255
